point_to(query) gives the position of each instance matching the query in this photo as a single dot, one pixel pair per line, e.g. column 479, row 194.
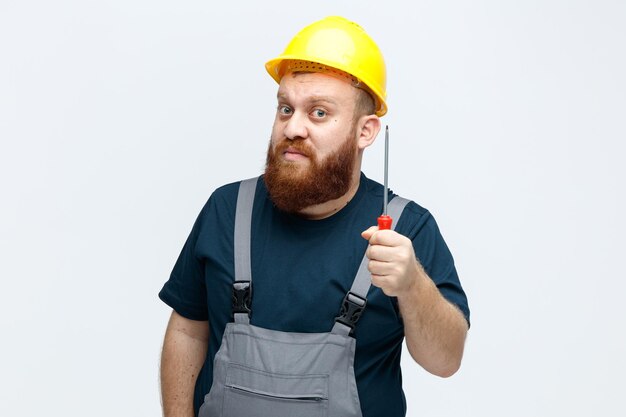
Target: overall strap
column 356, row 299
column 242, row 287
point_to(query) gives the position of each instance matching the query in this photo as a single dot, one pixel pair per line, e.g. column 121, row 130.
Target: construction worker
column 287, row 300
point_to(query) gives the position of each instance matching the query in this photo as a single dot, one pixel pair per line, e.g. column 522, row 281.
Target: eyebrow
column 317, row 99
column 312, row 99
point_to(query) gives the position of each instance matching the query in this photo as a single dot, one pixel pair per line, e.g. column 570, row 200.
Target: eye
column 284, row 110
column 319, row 113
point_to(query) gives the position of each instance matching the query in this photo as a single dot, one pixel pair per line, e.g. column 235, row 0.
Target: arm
column 184, row 353
column 435, row 329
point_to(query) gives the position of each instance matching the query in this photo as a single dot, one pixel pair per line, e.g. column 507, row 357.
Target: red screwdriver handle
column 384, row 222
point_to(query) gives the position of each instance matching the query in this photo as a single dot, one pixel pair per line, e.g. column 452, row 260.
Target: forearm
column 184, row 352
column 435, row 329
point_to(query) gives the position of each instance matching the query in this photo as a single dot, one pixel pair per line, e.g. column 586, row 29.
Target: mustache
column 296, row 145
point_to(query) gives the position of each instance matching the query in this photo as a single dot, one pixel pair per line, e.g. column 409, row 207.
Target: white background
column 119, row 118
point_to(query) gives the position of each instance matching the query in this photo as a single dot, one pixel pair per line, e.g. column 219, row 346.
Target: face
column 313, row 153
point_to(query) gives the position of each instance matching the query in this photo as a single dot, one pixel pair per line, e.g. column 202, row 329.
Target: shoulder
column 414, row 219
column 417, row 213
column 226, row 194
column 414, row 216
column 222, row 202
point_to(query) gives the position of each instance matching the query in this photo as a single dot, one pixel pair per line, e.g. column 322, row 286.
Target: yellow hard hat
column 338, row 43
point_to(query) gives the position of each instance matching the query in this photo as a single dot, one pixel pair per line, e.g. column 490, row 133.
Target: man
column 235, row 347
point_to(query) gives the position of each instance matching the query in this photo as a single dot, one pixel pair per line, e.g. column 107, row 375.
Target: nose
column 296, row 127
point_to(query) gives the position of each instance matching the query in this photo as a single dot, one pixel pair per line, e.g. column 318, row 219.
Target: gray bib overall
column 267, row 373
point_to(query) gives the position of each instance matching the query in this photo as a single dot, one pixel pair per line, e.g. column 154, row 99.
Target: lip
column 292, row 154
column 291, row 149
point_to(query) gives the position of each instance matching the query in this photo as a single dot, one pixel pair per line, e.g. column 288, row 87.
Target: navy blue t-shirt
column 301, row 271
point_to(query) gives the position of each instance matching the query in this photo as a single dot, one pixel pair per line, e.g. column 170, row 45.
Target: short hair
column 364, row 104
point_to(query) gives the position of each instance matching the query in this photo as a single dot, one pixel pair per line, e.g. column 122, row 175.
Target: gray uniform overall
column 268, row 373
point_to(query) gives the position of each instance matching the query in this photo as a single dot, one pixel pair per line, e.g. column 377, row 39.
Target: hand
column 392, row 261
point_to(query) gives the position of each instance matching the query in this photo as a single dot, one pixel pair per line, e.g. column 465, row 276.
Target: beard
column 293, row 186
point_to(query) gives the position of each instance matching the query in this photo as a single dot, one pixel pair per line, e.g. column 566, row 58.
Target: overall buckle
column 242, row 297
column 351, row 310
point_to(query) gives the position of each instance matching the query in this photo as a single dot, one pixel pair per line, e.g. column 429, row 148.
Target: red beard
column 293, row 187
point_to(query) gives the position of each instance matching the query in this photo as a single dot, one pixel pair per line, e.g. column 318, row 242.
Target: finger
column 384, row 284
column 380, row 268
column 388, row 238
column 379, row 281
column 367, row 234
column 381, row 253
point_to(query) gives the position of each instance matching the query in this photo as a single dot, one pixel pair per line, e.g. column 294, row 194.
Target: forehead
column 303, row 85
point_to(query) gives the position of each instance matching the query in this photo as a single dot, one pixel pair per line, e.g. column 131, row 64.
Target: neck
column 327, row 209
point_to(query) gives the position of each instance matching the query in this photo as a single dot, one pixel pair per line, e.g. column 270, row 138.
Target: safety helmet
column 337, row 43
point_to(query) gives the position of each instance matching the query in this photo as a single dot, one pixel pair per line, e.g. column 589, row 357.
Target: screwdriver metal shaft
column 384, row 221
column 386, row 170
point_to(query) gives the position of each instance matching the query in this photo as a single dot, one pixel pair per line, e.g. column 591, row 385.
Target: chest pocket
column 274, row 394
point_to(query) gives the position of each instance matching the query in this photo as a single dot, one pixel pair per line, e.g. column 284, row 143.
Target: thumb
column 367, row 234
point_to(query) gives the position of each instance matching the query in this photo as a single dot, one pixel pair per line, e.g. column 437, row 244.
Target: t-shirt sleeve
column 435, row 256
column 185, row 291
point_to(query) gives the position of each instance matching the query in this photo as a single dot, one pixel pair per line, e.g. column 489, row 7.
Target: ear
column 367, row 128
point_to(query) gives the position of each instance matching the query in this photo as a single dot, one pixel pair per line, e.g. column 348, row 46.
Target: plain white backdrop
column 119, row 118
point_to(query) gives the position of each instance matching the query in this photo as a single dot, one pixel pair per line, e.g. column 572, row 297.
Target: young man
column 289, row 343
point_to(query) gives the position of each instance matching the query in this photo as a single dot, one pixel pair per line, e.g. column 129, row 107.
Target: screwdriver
column 384, row 221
